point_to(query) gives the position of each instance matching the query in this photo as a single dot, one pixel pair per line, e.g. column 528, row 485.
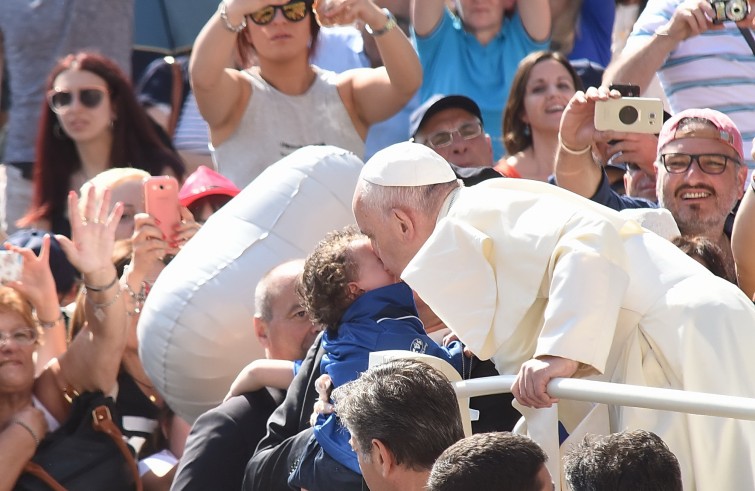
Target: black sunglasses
column 293, row 11
column 60, row 99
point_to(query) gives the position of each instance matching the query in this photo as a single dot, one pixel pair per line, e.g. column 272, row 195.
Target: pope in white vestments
column 521, row 269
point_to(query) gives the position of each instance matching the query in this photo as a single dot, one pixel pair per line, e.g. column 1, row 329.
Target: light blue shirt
column 454, row 62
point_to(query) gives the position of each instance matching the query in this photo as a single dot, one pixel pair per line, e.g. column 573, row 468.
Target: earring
column 112, row 124
column 57, row 131
column 526, row 130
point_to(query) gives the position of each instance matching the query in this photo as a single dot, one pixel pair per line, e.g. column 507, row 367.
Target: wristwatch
column 387, row 27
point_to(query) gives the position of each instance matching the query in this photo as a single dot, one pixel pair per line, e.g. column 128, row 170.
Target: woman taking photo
column 92, row 122
column 542, row 86
column 263, row 113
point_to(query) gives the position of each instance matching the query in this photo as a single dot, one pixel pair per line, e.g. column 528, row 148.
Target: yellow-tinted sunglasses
column 293, row 11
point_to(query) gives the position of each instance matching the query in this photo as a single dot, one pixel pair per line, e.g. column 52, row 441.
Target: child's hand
column 450, row 338
column 323, row 386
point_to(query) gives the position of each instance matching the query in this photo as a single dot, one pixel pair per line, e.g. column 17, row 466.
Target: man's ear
column 404, row 221
column 384, row 457
column 260, row 330
column 490, row 147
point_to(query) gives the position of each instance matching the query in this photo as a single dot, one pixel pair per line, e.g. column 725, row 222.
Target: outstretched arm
column 426, row 15
column 644, row 55
column 536, row 18
column 219, row 89
column 38, row 286
column 92, row 360
column 378, row 93
column 258, row 374
column 576, row 170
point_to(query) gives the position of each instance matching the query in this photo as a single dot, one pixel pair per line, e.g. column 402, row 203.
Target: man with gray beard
column 700, row 173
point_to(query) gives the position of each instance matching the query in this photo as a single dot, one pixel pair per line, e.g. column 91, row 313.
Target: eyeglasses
column 294, row 11
column 466, row 131
column 22, row 337
column 61, row 99
column 710, row 163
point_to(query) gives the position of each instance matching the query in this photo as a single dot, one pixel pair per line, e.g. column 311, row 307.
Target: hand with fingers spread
column 90, row 248
column 531, row 384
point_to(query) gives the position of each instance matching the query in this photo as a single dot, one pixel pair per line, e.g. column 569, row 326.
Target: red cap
column 727, row 131
column 205, row 182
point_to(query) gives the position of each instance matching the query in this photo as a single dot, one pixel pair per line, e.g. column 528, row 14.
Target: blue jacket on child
column 380, row 319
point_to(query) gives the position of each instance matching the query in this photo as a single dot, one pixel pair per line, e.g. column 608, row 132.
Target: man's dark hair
column 489, row 462
column 628, row 461
column 407, row 405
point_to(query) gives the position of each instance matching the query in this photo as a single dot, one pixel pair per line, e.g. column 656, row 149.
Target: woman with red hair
column 91, row 122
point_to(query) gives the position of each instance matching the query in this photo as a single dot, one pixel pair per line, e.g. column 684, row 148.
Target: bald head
column 280, row 322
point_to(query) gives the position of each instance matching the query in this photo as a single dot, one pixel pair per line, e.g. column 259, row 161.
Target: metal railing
column 622, row 395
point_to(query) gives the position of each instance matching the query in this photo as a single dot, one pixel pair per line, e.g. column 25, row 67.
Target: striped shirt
column 715, row 69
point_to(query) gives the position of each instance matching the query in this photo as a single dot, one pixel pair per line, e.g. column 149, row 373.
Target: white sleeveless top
column 275, row 124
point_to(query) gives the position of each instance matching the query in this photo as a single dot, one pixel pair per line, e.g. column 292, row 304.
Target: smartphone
column 11, row 266
column 161, row 202
column 630, row 114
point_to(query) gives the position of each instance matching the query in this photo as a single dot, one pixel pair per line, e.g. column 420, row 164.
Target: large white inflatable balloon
column 195, row 331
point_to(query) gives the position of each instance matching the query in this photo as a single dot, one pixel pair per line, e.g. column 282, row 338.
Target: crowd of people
column 496, row 230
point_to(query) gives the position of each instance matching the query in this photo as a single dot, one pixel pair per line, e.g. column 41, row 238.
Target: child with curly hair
column 346, row 289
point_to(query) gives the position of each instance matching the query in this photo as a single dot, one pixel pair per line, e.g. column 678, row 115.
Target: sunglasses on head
column 61, row 99
column 293, row 11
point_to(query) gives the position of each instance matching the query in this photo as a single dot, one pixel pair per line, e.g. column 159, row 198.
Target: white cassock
column 519, row 269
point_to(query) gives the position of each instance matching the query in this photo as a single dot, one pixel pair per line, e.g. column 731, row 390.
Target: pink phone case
column 161, row 202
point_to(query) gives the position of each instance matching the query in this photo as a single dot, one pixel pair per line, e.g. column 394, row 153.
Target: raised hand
column 93, row 232
column 37, row 283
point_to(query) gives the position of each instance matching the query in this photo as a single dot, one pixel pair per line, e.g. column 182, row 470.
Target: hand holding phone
column 161, row 202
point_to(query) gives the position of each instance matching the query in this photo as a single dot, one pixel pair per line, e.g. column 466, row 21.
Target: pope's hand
column 530, row 386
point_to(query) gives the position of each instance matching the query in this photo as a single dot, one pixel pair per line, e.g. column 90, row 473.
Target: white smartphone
column 11, row 266
column 630, row 114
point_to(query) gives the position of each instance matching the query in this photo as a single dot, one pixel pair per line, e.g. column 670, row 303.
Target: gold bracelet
column 570, row 151
column 28, row 428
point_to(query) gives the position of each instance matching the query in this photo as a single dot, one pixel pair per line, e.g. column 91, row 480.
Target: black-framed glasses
column 466, row 131
column 60, row 100
column 22, row 337
column 710, row 163
column 293, row 11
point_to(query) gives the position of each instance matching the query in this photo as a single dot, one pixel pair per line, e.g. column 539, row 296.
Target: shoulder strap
column 103, row 421
column 37, row 471
column 747, row 34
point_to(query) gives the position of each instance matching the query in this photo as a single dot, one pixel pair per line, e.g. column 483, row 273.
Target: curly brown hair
column 323, row 285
